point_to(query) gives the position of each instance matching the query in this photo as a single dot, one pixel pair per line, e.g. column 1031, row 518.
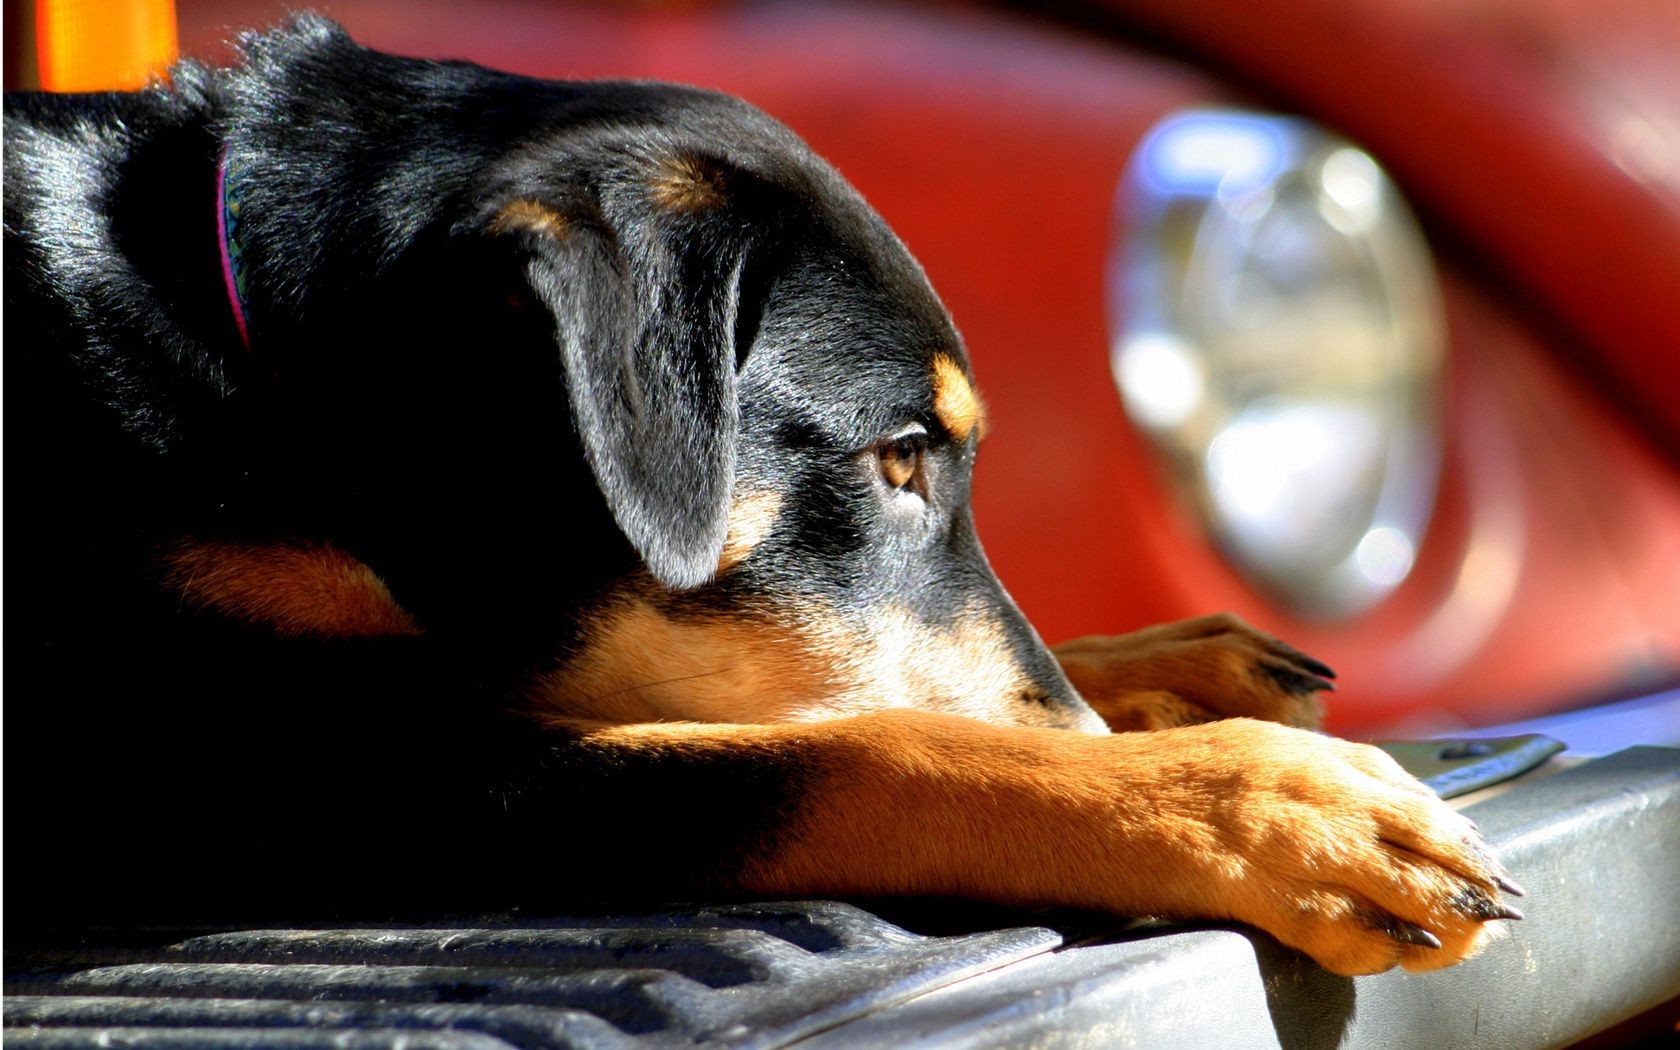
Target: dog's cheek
column 296, row 590
column 965, row 667
column 896, row 659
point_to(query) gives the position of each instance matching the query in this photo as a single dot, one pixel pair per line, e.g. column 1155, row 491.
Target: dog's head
column 654, row 367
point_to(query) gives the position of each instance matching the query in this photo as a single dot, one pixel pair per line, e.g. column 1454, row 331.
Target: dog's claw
column 1301, row 660
column 1476, row 902
column 1317, row 667
column 1406, row 933
column 1292, row 680
column 1504, row 883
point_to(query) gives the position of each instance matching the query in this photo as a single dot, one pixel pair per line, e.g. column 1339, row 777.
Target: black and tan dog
column 435, row 488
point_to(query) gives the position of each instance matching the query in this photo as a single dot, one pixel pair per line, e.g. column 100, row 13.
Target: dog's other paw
column 1328, row 845
column 1195, row 671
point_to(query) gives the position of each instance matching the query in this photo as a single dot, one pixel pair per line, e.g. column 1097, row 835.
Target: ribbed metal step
column 760, row 975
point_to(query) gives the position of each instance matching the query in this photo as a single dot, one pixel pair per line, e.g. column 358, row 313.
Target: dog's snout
column 1047, row 697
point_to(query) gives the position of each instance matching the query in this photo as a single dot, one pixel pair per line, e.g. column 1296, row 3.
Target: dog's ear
column 642, row 290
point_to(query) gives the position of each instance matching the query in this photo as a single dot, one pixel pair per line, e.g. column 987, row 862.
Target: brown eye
column 901, row 462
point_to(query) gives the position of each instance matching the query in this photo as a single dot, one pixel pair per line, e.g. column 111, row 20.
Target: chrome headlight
column 1279, row 337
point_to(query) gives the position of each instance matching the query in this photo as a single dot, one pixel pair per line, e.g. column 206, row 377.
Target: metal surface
column 742, row 976
column 1278, row 335
column 1458, row 767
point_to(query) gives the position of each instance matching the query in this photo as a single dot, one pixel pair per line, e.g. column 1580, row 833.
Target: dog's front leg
column 1327, row 845
column 1195, row 671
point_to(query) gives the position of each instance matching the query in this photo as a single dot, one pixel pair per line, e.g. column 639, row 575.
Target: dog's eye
column 901, row 461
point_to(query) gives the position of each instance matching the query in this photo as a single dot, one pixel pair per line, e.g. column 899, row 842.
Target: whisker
column 663, row 681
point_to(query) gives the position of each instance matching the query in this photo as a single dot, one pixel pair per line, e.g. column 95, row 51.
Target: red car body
column 1539, row 141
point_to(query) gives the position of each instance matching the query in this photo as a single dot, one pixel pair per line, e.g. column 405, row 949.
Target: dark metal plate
column 743, row 976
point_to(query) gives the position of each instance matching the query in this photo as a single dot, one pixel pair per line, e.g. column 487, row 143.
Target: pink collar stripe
column 233, row 255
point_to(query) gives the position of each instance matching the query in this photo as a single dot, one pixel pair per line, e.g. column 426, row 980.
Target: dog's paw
column 1331, row 847
column 1195, row 671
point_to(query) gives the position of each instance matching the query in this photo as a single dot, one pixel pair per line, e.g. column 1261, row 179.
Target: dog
column 433, row 488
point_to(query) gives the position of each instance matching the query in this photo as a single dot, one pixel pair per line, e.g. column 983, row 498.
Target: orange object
column 104, row 45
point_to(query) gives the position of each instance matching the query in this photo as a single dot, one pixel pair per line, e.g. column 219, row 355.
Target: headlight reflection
column 1279, row 338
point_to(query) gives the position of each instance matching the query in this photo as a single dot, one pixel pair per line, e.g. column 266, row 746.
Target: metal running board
column 750, row 976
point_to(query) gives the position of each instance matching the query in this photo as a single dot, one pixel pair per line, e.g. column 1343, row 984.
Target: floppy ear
column 644, row 312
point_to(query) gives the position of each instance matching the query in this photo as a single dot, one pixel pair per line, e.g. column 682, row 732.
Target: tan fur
column 295, row 589
column 955, row 400
column 641, row 663
column 1181, row 674
column 965, row 668
column 533, row 216
column 752, row 516
column 687, row 184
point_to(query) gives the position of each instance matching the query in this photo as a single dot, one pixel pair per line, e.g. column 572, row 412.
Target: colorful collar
column 229, row 198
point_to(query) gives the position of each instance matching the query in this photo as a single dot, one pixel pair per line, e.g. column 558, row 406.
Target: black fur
column 503, row 425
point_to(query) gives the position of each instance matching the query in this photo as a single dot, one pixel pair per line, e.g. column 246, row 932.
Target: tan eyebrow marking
column 687, row 184
column 955, row 401
column 534, row 216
